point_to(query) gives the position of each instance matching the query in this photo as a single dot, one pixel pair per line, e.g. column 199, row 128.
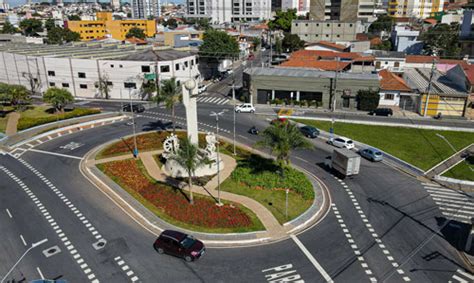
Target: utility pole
column 233, row 111
column 271, row 48
column 427, row 97
column 333, row 102
column 214, row 114
column 157, row 83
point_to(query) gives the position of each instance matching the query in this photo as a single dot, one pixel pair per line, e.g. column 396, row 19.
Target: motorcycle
column 253, row 131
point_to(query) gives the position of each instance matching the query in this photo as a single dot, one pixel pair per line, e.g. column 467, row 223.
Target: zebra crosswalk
column 452, row 204
column 462, row 276
column 212, row 99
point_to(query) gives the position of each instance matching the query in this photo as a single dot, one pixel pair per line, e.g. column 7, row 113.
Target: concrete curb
column 155, row 225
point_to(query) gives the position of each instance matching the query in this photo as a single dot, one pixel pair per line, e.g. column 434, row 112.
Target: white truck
column 344, row 161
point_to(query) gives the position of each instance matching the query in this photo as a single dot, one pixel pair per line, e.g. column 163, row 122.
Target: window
column 109, row 83
column 81, row 75
column 197, row 60
column 145, row 69
column 51, row 73
column 186, row 64
column 52, row 84
column 130, row 85
column 120, row 66
column 389, row 96
column 164, row 69
column 65, row 84
column 83, row 86
column 111, row 66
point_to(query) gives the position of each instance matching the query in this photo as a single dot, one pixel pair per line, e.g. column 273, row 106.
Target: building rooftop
column 322, row 64
column 93, row 50
column 307, row 73
column 390, row 81
column 418, row 79
column 328, row 44
column 388, row 54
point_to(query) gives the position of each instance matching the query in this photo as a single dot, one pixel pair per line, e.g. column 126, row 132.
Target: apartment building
column 225, row 11
column 414, row 8
column 301, row 6
column 145, row 9
column 78, row 67
column 314, row 31
column 342, row 10
column 105, row 26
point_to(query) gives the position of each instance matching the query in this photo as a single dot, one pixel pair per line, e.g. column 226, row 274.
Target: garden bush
column 29, row 122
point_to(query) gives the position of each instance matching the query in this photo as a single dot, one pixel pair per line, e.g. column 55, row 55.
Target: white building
column 143, row 9
column 78, row 67
column 225, row 11
column 404, row 39
column 301, row 6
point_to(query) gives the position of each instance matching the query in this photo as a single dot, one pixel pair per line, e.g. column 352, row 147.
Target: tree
column 367, row 99
column 203, row 24
column 136, row 32
column 170, row 94
column 187, row 156
column 74, row 17
column 49, row 24
column 171, row 23
column 218, row 45
column 442, row 40
column 282, row 20
column 33, row 81
column 385, row 45
column 103, row 85
column 383, row 23
column 17, row 94
column 58, row 97
column 31, row 26
column 58, row 35
column 70, row 36
column 281, row 138
column 278, row 45
column 9, row 28
column 257, row 42
column 292, row 42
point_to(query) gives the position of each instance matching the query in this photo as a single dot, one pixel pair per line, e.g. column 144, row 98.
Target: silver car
column 371, row 154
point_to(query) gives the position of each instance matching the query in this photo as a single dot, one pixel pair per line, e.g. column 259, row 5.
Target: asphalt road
column 396, row 247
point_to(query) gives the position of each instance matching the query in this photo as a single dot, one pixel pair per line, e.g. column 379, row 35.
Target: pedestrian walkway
column 449, row 162
column 219, row 100
column 462, row 276
column 12, row 123
column 453, row 205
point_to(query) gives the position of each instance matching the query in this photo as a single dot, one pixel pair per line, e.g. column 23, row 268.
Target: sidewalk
column 274, row 231
column 451, row 161
column 12, row 123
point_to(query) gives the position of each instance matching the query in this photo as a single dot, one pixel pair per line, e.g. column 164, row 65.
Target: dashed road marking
column 23, row 240
column 121, row 263
column 9, row 214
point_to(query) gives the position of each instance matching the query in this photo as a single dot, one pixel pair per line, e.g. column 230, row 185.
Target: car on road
column 371, row 154
column 381, row 112
column 278, row 120
column 202, row 88
column 341, row 142
column 137, row 108
column 245, row 108
column 309, row 132
column 180, row 245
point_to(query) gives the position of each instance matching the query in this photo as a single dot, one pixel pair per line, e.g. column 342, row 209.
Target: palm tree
column 281, row 138
column 170, row 94
column 188, row 157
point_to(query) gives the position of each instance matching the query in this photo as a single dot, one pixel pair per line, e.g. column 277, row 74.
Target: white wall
column 389, row 102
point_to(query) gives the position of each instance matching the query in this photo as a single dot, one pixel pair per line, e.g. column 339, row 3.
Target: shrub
column 29, row 122
column 367, row 100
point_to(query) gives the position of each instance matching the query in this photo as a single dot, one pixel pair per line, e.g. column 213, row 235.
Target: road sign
column 150, row 76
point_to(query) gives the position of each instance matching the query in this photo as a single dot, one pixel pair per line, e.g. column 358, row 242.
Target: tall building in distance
column 414, row 8
column 225, row 11
column 115, row 4
column 342, row 10
column 301, row 6
column 144, row 9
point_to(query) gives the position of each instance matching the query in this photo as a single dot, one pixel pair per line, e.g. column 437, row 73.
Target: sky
column 14, row 3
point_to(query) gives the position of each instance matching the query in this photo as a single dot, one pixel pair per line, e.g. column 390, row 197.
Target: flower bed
column 172, row 204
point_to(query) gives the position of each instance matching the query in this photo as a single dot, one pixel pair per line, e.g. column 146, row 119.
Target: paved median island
column 252, row 212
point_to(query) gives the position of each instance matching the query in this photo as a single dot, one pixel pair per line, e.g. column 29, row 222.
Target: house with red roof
column 395, row 92
column 327, row 46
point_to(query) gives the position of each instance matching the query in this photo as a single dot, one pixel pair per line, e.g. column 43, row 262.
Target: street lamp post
column 135, row 148
column 446, row 140
column 286, row 203
column 233, row 99
column 214, row 114
column 34, row 245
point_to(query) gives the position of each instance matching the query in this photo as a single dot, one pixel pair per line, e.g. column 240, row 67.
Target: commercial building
column 105, row 26
column 145, row 9
column 421, row 9
column 79, row 67
column 298, row 84
column 314, row 31
column 226, row 11
column 342, row 10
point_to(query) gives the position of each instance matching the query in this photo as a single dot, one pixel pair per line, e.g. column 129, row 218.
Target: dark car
column 310, row 132
column 382, row 112
column 137, row 108
column 180, row 245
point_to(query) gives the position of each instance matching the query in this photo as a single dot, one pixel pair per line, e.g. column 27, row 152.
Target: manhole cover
column 51, row 251
column 99, row 244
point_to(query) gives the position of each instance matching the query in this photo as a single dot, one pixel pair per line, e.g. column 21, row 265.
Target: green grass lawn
column 462, row 171
column 38, row 115
column 419, row 147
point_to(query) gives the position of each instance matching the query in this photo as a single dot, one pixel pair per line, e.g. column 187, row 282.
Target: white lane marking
column 470, row 276
column 455, row 215
column 40, row 273
column 311, row 259
column 9, row 214
column 23, row 240
column 301, row 159
column 57, row 154
column 433, row 192
column 463, row 203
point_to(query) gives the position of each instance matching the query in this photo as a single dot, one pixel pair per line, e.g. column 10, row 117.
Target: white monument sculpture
column 171, row 144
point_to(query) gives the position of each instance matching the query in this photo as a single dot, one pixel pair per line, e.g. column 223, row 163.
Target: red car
column 180, row 245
